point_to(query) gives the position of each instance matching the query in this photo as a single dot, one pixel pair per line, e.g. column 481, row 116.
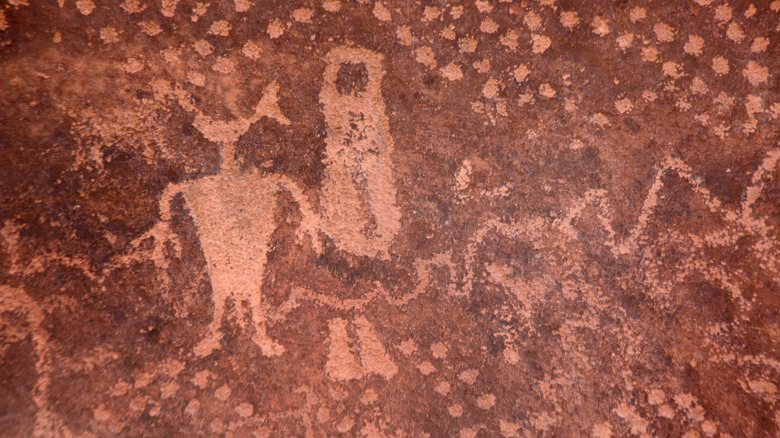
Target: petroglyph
column 233, row 213
column 17, row 302
column 738, row 223
column 359, row 194
column 344, row 365
column 537, row 224
column 234, row 217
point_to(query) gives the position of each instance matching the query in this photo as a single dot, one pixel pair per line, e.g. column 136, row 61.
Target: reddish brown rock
column 488, row 218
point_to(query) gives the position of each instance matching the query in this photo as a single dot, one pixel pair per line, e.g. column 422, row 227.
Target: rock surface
column 481, row 218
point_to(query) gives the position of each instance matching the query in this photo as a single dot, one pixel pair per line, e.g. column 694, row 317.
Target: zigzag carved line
column 742, row 220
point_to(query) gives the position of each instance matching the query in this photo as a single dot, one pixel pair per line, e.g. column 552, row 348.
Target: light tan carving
column 737, row 223
column 342, row 364
column 359, row 195
column 16, row 301
column 233, row 210
column 233, row 213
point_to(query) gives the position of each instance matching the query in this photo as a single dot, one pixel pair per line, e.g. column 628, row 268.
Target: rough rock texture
column 396, row 218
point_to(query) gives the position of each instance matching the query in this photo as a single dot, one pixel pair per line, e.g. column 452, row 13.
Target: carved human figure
column 233, row 214
column 233, row 211
column 359, row 209
column 359, row 194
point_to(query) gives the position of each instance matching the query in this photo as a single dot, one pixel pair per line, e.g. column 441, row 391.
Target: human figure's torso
column 234, row 218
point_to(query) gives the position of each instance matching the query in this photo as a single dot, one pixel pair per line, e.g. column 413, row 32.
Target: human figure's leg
column 214, row 334
column 261, row 338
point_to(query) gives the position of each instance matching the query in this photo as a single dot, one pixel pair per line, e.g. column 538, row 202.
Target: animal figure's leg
column 210, row 342
column 261, row 338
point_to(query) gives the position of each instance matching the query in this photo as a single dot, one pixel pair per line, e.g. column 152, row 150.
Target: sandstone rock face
column 364, row 218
